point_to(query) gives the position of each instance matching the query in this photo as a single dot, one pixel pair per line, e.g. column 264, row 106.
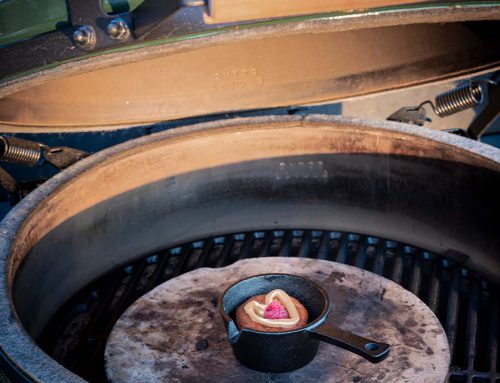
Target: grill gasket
column 466, row 305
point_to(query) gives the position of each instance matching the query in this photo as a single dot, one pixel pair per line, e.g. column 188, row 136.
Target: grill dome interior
column 131, row 202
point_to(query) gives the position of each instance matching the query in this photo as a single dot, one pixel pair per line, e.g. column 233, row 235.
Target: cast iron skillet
column 286, row 351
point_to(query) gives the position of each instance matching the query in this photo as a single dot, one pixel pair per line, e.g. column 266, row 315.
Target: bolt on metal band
column 85, row 37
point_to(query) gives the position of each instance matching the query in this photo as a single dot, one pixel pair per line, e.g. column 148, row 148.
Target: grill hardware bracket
column 466, row 96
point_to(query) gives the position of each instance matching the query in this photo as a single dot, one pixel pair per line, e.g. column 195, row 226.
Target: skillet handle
column 369, row 349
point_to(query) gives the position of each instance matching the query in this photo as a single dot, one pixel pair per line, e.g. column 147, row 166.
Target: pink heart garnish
column 275, row 310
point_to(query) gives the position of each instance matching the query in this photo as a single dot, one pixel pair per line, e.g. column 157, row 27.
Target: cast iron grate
column 466, row 305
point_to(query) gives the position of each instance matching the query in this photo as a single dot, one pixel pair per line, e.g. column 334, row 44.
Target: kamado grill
column 261, row 182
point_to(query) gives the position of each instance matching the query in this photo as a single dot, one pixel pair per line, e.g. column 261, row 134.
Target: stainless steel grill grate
column 466, row 305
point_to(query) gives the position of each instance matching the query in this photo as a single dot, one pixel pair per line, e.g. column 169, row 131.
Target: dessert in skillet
column 272, row 312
